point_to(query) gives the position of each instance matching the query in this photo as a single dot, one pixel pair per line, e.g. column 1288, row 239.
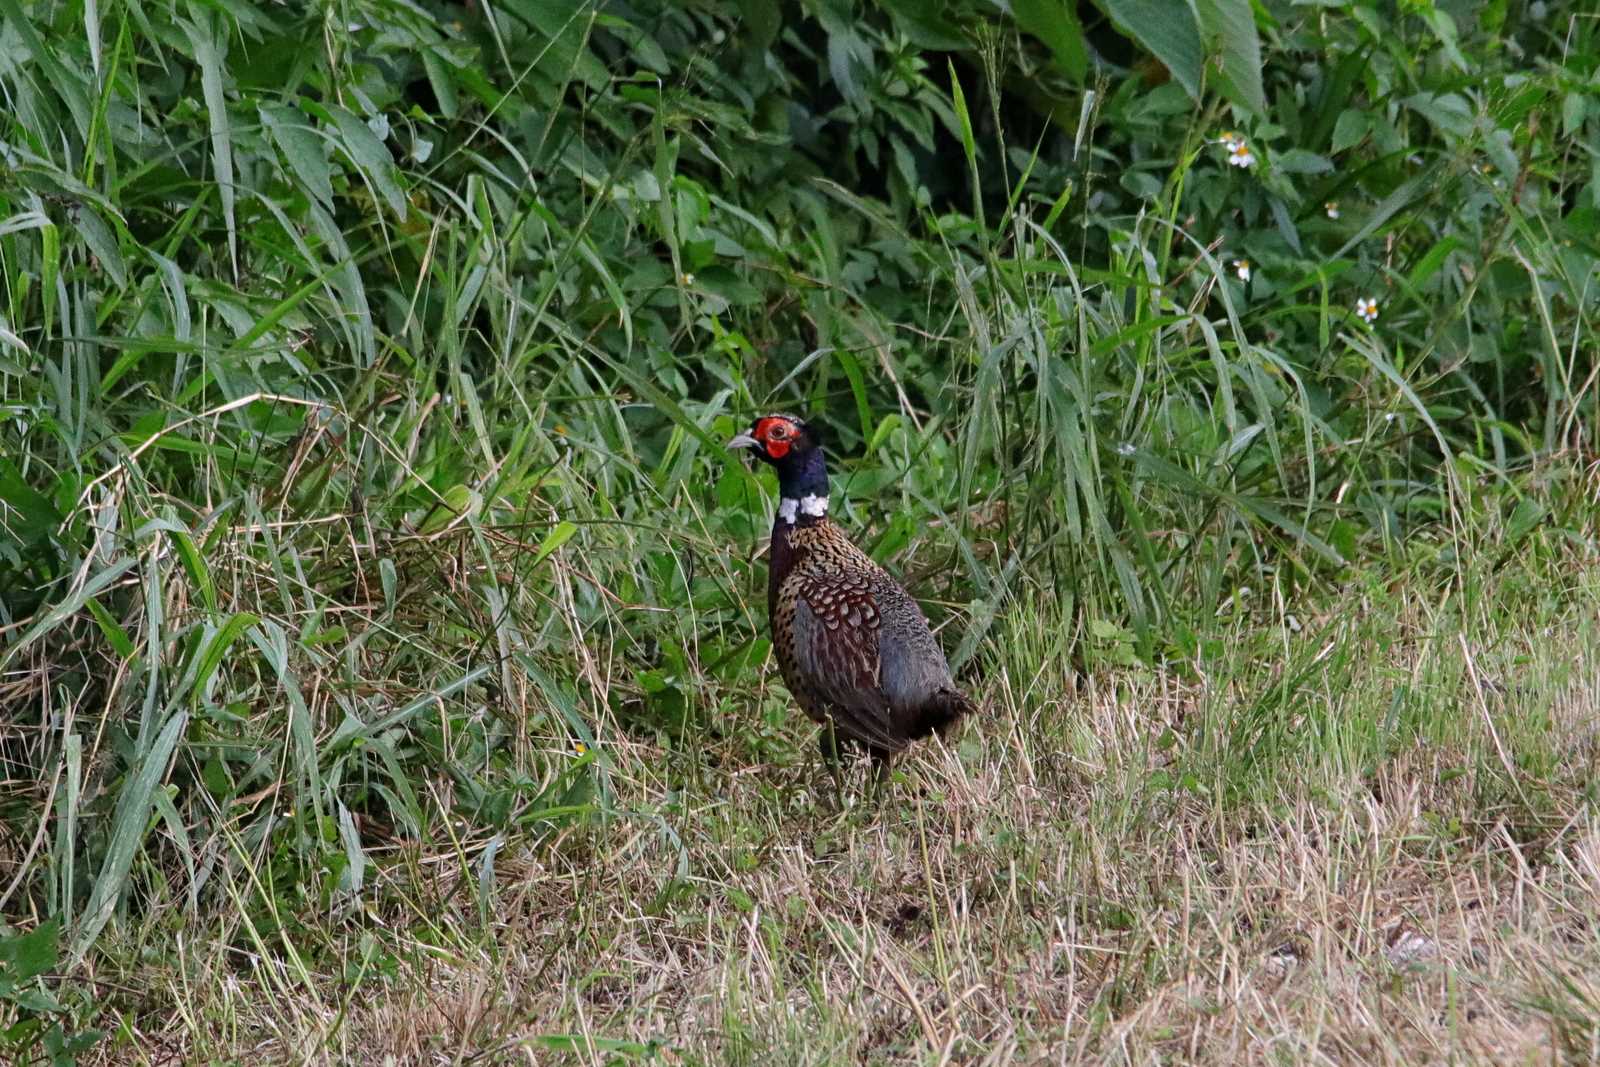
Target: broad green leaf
column 102, row 241
column 210, row 50
column 115, row 635
column 456, row 502
column 371, row 158
column 1350, row 129
column 50, row 263
column 195, row 564
column 128, row 823
column 1229, row 29
column 24, row 957
column 217, row 648
column 553, row 540
column 68, row 606
column 1055, row 22
column 305, row 151
column 1168, row 31
column 1299, row 161
column 1430, row 263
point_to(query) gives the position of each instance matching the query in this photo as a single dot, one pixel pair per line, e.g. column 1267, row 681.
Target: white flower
column 687, row 279
column 1126, row 449
column 1332, row 208
column 1367, row 309
column 1239, row 153
column 1241, row 267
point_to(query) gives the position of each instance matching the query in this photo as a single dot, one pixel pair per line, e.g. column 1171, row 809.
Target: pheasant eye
column 779, row 431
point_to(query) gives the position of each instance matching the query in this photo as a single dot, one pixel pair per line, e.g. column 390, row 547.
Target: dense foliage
column 364, row 369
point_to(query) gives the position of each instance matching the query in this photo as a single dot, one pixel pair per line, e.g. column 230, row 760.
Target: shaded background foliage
column 364, row 368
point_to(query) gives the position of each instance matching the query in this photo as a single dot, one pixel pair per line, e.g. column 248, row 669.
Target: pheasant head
column 794, row 450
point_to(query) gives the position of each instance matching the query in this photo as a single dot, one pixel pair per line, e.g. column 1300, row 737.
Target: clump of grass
column 1196, row 863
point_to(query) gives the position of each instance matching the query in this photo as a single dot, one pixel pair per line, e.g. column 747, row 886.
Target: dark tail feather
column 943, row 712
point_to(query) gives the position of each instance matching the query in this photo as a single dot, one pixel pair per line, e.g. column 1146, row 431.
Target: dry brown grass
column 1083, row 880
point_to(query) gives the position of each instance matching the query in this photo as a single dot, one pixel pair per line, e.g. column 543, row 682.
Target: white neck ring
column 789, row 508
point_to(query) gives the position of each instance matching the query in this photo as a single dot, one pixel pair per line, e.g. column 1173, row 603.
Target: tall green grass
column 364, row 373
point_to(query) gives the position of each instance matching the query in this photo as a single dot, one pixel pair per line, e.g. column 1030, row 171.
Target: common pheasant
column 853, row 647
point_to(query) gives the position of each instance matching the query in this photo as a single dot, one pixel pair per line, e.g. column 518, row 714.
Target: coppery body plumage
column 852, row 645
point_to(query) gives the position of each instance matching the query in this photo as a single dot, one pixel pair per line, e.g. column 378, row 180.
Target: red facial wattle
column 774, row 437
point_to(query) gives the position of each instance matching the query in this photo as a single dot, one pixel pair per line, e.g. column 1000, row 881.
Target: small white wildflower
column 1239, row 155
column 1241, row 267
column 686, row 279
column 1229, row 139
column 1125, row 449
column 1332, row 208
column 1367, row 309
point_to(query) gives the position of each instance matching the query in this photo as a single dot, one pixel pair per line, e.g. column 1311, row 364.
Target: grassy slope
column 1369, row 840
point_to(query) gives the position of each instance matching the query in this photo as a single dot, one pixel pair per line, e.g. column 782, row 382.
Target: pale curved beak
column 744, row 440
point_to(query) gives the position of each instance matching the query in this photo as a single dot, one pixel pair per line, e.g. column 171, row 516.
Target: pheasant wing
column 836, row 629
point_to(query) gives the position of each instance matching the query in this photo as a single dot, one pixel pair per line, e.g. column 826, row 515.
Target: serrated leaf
column 24, row 957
